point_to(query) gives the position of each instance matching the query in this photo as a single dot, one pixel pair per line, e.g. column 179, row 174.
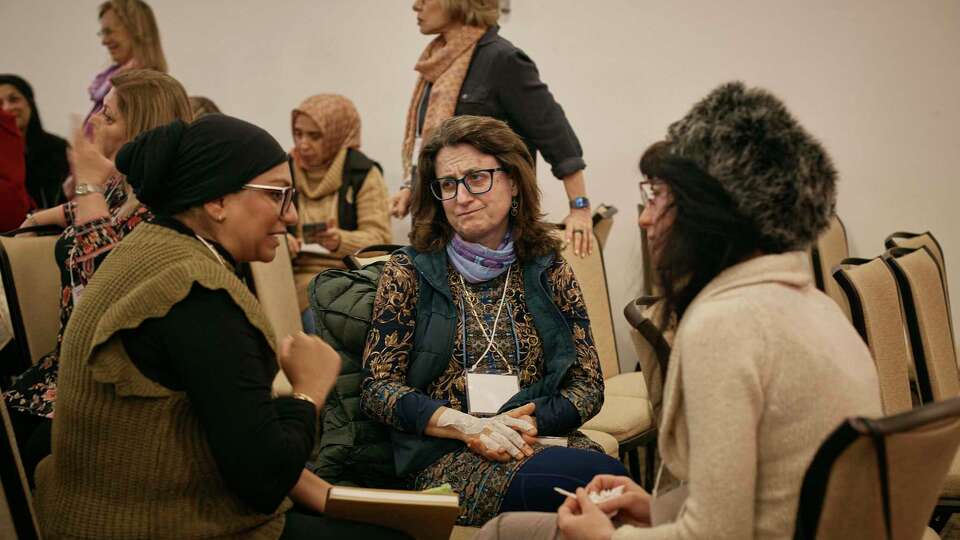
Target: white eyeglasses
column 281, row 195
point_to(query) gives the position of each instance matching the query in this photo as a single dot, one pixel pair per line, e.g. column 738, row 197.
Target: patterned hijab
column 339, row 122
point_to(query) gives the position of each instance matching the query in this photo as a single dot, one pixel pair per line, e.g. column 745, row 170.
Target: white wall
column 878, row 81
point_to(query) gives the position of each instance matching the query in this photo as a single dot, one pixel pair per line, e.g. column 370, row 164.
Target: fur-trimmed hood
column 778, row 174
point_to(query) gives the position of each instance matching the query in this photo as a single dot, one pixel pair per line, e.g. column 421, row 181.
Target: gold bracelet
column 304, row 397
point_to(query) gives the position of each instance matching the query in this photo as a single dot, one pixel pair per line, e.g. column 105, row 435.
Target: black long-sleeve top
column 206, row 347
column 504, row 83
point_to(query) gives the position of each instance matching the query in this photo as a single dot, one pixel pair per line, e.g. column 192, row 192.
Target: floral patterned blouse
column 79, row 252
column 480, row 483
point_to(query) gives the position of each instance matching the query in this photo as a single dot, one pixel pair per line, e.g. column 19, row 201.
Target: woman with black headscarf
column 165, row 422
column 46, row 154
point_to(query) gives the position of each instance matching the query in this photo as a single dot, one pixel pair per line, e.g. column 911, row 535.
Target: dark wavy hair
column 532, row 237
column 708, row 234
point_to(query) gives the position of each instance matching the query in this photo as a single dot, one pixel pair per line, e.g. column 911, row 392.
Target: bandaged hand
column 498, row 438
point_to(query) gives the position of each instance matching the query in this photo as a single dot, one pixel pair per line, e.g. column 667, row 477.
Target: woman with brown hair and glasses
column 480, row 341
column 103, row 211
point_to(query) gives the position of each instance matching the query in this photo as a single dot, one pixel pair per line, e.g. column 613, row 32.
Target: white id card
column 77, row 292
column 487, row 392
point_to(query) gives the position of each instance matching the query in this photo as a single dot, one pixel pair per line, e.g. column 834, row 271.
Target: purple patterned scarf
column 478, row 263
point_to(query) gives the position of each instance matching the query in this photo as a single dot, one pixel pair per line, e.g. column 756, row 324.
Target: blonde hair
column 137, row 17
column 148, row 99
column 483, row 13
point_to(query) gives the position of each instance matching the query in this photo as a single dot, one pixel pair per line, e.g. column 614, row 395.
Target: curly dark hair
column 532, row 236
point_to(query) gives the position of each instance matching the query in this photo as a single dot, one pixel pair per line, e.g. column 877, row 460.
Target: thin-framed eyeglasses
column 477, row 182
column 649, row 192
column 283, row 196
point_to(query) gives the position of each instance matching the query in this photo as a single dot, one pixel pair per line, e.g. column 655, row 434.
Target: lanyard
column 490, row 337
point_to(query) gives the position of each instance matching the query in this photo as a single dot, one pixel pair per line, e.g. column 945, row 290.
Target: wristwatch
column 86, row 189
column 579, row 203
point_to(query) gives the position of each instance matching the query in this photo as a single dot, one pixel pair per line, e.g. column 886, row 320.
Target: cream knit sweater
column 763, row 368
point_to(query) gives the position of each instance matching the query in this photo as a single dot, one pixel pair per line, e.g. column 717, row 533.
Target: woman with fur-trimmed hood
column 764, row 365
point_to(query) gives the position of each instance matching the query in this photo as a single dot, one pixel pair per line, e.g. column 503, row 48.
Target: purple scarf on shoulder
column 478, row 263
column 99, row 89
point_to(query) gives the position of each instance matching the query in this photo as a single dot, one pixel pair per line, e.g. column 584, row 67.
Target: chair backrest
column 17, row 517
column 927, row 240
column 31, row 281
column 827, row 252
column 928, row 322
column 603, row 223
column 652, row 347
column 369, row 255
column 592, row 278
column 876, row 313
column 879, row 478
column 273, row 284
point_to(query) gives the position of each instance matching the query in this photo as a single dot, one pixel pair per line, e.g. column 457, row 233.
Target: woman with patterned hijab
column 469, row 68
column 342, row 198
column 480, row 344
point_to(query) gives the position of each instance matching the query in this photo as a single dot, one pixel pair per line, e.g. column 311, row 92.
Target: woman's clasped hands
column 507, row 436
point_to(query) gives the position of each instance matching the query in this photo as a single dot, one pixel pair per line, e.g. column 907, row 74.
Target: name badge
column 77, row 292
column 487, row 392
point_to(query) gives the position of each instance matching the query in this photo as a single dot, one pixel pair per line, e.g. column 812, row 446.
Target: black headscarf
column 46, row 154
column 179, row 166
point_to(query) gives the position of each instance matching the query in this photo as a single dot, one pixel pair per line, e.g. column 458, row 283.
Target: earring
column 220, row 218
column 514, row 207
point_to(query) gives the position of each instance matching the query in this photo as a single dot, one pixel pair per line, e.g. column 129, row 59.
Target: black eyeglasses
column 477, row 183
column 283, row 196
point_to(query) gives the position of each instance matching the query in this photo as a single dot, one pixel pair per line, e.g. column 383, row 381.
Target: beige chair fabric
column 606, row 441
column 274, row 286
column 591, row 275
column 31, row 280
column 17, row 517
column 652, row 346
column 841, row 496
column 626, row 415
column 927, row 240
column 923, row 294
column 827, row 252
column 925, row 305
column 871, row 292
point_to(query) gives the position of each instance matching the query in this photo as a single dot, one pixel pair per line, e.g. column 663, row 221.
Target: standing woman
column 342, row 199
column 101, row 214
column 46, row 154
column 469, row 69
column 129, row 31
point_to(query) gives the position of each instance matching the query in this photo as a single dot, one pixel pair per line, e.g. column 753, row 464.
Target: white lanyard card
column 487, row 392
